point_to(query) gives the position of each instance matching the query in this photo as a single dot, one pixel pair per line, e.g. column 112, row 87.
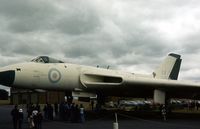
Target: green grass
column 5, row 102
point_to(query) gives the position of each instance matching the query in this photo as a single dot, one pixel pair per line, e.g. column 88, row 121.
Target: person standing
column 197, row 105
column 35, row 119
column 15, row 116
column 163, row 112
column 39, row 118
column 46, row 111
column 62, row 111
column 92, row 104
column 56, row 108
column 82, row 115
column 50, row 112
column 37, row 107
column 21, row 118
column 77, row 113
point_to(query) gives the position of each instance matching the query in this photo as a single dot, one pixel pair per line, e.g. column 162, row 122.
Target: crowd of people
column 71, row 112
column 64, row 111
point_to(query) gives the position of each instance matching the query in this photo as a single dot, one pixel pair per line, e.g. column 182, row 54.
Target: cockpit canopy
column 46, row 59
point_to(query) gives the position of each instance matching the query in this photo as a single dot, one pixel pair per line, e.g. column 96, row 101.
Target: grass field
column 5, row 102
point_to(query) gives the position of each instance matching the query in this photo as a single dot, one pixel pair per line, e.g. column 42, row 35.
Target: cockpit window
column 46, row 59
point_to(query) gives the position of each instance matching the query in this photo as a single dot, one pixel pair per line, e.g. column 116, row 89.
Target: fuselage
column 66, row 76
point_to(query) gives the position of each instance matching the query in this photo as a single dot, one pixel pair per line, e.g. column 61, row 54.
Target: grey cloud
column 80, row 50
column 79, row 18
column 191, row 44
column 119, row 34
column 13, row 45
column 77, row 23
column 35, row 48
column 27, row 16
column 6, row 44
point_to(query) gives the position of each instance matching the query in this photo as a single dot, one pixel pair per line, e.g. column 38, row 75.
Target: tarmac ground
column 126, row 120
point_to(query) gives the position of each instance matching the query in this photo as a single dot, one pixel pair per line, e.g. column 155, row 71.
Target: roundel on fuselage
column 54, row 75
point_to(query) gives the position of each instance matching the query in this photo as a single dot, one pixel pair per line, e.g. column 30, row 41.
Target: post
column 115, row 124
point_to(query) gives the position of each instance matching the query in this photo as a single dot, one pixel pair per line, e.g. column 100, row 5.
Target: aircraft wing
column 120, row 81
column 135, row 86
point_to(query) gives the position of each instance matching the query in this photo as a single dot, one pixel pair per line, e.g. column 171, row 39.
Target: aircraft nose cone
column 7, row 77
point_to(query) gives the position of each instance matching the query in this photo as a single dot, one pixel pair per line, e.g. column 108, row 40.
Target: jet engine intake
column 7, row 77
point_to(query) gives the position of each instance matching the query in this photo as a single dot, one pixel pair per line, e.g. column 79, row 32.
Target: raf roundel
column 54, row 75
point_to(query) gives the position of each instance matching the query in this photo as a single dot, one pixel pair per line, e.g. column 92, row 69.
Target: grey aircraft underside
column 50, row 74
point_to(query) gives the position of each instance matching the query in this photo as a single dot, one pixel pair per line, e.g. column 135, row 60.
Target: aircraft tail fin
column 170, row 67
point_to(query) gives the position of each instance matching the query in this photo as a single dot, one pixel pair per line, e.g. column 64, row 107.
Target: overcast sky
column 130, row 35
